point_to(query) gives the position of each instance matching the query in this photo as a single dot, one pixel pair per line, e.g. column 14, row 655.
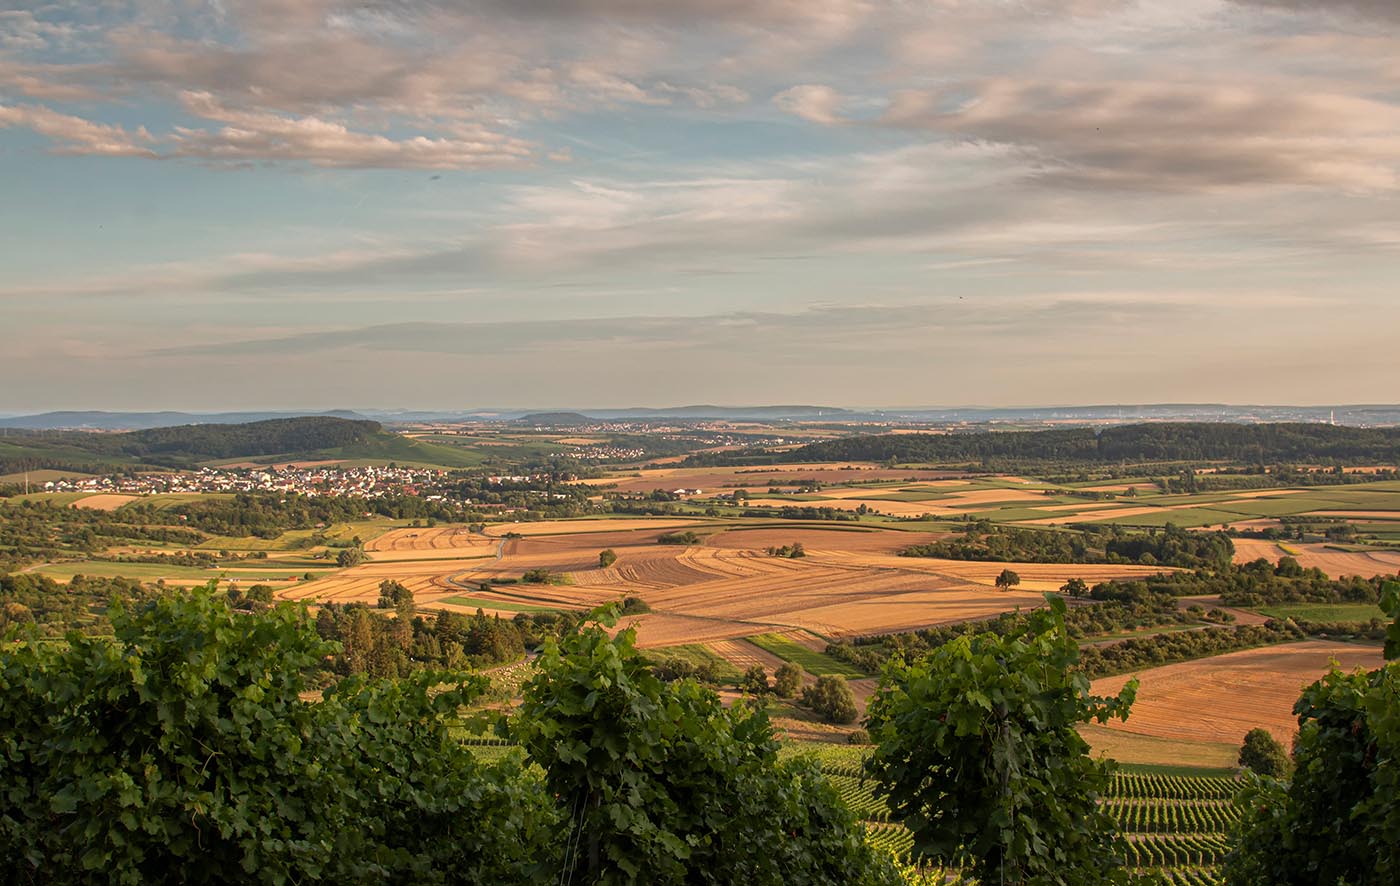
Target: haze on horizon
column 276, row 203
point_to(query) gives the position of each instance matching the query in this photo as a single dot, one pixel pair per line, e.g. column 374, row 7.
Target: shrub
column 831, row 699
column 787, row 680
column 1264, row 754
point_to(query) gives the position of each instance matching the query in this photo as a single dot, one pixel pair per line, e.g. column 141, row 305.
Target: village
column 366, row 481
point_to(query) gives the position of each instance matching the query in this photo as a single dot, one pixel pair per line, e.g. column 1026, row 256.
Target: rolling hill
column 187, row 446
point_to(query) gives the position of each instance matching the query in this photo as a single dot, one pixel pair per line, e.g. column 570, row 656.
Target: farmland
column 1217, row 700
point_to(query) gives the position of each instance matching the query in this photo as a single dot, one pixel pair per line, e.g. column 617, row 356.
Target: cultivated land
column 1217, row 700
column 726, row 597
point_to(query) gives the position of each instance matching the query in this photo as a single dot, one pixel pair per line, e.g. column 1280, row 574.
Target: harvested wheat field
column 446, row 542
column 877, row 541
column 1333, row 562
column 105, row 501
column 1221, row 698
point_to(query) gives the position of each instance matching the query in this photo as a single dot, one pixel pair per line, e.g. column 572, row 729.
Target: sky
column 427, row 204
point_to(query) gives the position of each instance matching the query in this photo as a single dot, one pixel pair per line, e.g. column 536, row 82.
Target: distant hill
column 721, row 412
column 555, row 419
column 185, row 446
column 1165, row 441
column 133, row 421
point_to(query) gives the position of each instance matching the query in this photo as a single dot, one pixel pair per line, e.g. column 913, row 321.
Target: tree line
column 1171, row 546
column 1293, row 443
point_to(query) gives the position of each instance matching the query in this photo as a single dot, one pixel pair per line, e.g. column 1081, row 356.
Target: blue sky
column 424, row 204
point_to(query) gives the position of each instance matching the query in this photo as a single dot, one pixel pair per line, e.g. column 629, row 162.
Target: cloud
column 257, row 136
column 814, row 102
column 74, row 135
column 1170, row 136
column 1380, row 9
column 869, row 328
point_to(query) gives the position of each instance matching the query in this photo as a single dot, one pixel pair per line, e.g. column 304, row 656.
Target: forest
column 181, row 446
column 1253, row 444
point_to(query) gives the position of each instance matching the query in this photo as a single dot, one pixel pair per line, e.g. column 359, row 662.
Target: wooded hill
column 1167, row 441
column 187, row 445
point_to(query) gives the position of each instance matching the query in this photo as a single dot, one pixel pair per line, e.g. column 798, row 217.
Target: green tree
column 978, row 754
column 831, row 698
column 660, row 783
column 350, row 557
column 1075, row 587
column 606, row 558
column 787, row 680
column 1264, row 754
column 1335, row 821
column 1007, row 580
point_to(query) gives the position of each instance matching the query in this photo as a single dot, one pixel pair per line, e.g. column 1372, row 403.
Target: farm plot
column 444, row 542
column 105, row 501
column 1330, row 560
column 1221, row 698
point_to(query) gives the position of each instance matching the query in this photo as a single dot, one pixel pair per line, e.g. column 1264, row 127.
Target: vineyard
column 1176, row 825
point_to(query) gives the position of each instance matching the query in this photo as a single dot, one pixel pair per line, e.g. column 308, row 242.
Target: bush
column 606, row 558
column 678, row 538
column 1263, row 754
column 755, row 681
column 860, row 736
column 787, row 680
column 831, row 699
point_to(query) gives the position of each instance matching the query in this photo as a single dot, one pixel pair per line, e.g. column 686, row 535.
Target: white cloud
column 75, row 135
column 814, row 102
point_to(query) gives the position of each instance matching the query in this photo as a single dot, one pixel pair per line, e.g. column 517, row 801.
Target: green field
column 1347, row 612
column 812, row 662
column 483, row 603
column 153, row 571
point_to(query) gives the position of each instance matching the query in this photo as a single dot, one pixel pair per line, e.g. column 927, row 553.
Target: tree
column 661, row 783
column 787, row 680
column 1075, row 587
column 978, row 754
column 831, row 699
column 350, row 557
column 1007, row 580
column 606, row 558
column 755, row 681
column 393, row 595
column 1264, row 754
column 1335, row 821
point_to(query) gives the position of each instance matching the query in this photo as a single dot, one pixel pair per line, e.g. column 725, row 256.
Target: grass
column 152, row 571
column 1347, row 612
column 1129, row 747
column 813, row 662
column 1187, row 518
column 41, row 476
column 57, row 499
column 483, row 603
column 1174, row 769
column 698, row 655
